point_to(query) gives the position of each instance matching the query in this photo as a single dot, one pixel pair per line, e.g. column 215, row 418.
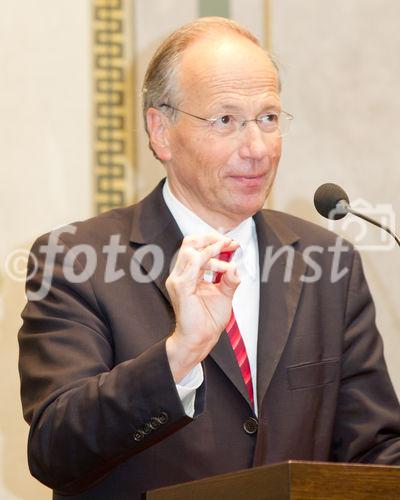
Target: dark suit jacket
column 106, row 420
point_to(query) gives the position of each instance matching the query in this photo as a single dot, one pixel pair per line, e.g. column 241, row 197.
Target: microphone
column 332, row 202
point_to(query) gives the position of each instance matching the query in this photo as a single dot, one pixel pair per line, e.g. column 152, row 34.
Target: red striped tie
column 232, row 329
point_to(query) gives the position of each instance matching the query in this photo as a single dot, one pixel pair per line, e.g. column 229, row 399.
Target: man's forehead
column 230, row 62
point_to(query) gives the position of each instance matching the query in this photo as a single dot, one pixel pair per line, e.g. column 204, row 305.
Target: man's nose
column 254, row 143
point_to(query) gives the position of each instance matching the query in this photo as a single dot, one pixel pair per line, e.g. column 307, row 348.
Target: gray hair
column 160, row 84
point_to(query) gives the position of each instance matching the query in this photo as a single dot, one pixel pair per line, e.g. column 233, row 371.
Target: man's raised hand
column 202, row 309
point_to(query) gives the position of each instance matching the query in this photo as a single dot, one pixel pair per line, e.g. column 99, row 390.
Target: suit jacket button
column 250, row 425
column 138, row 435
column 163, row 417
column 147, row 428
column 154, row 423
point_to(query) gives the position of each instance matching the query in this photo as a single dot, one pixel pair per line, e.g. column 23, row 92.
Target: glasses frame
column 288, row 116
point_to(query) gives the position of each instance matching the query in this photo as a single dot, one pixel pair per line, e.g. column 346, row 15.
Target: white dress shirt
column 245, row 301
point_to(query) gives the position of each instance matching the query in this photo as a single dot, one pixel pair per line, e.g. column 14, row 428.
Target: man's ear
column 157, row 125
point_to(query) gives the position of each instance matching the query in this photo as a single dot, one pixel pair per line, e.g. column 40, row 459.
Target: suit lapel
column 154, row 226
column 279, row 295
column 164, row 247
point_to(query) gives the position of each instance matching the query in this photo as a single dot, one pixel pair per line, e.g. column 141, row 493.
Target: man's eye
column 268, row 118
column 268, row 122
column 224, row 121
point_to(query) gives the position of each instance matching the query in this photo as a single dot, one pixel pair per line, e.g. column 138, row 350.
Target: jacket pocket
column 312, row 374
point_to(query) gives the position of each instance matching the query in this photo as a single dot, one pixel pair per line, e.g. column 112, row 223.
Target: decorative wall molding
column 113, row 103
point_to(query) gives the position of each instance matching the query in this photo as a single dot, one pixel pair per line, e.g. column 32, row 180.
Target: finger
column 230, row 280
column 215, row 249
column 199, row 241
column 186, row 256
column 191, row 265
column 217, row 265
column 229, row 248
column 190, row 261
column 214, row 269
column 191, row 245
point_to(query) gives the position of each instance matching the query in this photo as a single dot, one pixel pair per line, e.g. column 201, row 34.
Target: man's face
column 224, row 179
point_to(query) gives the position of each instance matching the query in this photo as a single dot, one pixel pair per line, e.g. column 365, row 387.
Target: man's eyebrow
column 271, row 108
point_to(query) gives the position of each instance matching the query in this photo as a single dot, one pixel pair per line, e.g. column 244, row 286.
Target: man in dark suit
column 147, row 358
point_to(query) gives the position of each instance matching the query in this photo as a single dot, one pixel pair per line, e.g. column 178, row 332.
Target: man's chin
column 246, row 208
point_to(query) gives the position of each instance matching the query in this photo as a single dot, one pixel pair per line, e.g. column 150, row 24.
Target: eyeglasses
column 230, row 124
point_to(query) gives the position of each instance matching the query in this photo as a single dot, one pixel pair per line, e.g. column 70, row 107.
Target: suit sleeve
column 367, row 423
column 86, row 414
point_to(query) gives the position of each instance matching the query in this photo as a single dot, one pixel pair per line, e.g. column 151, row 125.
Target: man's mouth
column 249, row 180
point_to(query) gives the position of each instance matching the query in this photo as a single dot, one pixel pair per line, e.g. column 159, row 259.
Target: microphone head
column 327, row 200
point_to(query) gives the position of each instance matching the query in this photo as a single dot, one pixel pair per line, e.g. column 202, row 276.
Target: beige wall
column 339, row 59
column 341, row 72
column 45, row 171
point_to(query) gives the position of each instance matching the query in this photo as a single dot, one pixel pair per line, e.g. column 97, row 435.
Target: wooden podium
column 292, row 481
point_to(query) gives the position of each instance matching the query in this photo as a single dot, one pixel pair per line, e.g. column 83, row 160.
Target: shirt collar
column 190, row 223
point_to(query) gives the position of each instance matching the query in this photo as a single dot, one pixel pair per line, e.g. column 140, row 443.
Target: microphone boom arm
column 345, row 207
